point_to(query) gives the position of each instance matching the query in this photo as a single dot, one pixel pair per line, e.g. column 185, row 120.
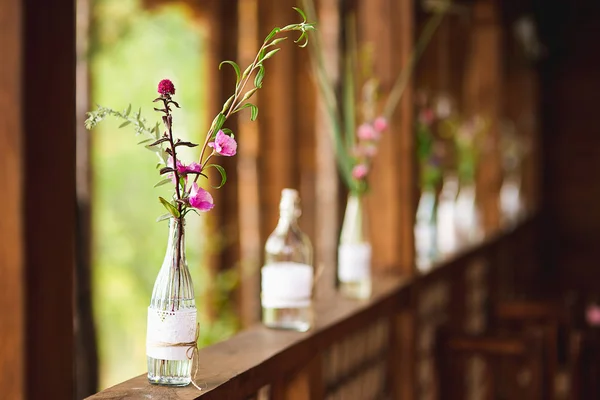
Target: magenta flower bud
column 360, row 171
column 366, row 132
column 200, row 199
column 224, row 145
column 380, row 124
column 166, row 87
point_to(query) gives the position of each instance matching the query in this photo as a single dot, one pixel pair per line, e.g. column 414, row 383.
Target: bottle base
column 295, row 319
column 169, row 372
column 356, row 290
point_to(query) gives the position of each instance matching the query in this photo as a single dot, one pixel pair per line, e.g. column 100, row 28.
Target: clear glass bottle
column 354, row 251
column 172, row 316
column 288, row 274
column 425, row 230
column 445, row 218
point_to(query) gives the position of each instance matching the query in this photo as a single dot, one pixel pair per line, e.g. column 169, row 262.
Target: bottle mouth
column 290, row 202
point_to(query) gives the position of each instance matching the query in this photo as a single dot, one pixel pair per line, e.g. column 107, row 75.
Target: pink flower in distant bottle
column 366, row 132
column 592, row 315
column 166, row 87
column 200, row 198
column 426, row 116
column 380, row 124
column 360, row 171
column 224, row 145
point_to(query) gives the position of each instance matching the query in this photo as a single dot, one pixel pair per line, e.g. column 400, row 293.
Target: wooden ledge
column 239, row 367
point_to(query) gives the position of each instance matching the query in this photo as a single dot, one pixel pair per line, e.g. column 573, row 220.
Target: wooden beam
column 387, row 26
column 483, row 97
column 86, row 354
column 327, row 192
column 276, row 104
column 12, row 268
column 251, row 243
column 47, row 164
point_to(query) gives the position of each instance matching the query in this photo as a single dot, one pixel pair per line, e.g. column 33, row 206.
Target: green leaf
column 253, row 110
column 236, row 67
column 222, row 172
column 163, row 217
column 301, row 13
column 303, row 36
column 170, row 207
column 259, row 77
column 124, row 124
column 145, row 141
column 271, row 53
column 218, row 122
column 163, row 182
column 271, row 35
column 227, row 131
column 128, row 111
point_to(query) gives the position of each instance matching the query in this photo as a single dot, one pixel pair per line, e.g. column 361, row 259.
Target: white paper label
column 166, row 328
column 354, row 262
column 286, row 285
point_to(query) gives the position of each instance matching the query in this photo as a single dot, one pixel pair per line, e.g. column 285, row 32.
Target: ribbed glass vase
column 172, row 326
column 354, row 251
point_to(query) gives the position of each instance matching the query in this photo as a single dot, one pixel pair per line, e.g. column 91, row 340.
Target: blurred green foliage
column 131, row 50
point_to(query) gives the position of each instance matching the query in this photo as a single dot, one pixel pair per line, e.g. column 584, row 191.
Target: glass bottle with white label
column 354, row 251
column 172, row 327
column 288, row 274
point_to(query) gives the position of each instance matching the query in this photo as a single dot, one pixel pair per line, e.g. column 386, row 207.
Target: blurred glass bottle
column 288, row 274
column 354, row 251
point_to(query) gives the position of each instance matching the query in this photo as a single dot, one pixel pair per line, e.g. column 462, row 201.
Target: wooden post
column 483, row 91
column 251, row 240
column 388, row 25
column 327, row 191
column 12, row 268
column 37, row 141
column 86, row 355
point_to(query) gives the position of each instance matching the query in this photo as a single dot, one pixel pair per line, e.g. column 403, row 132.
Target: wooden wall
column 571, row 140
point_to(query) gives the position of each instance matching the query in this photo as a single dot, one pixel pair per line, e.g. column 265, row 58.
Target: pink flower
column 224, row 145
column 166, row 87
column 380, row 124
column 180, row 166
column 592, row 315
column 192, row 168
column 200, row 198
column 360, row 171
column 366, row 132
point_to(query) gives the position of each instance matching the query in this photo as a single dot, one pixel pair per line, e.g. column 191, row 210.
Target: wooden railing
column 372, row 349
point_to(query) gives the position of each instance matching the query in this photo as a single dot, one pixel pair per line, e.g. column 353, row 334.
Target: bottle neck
column 287, row 220
column 175, row 254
